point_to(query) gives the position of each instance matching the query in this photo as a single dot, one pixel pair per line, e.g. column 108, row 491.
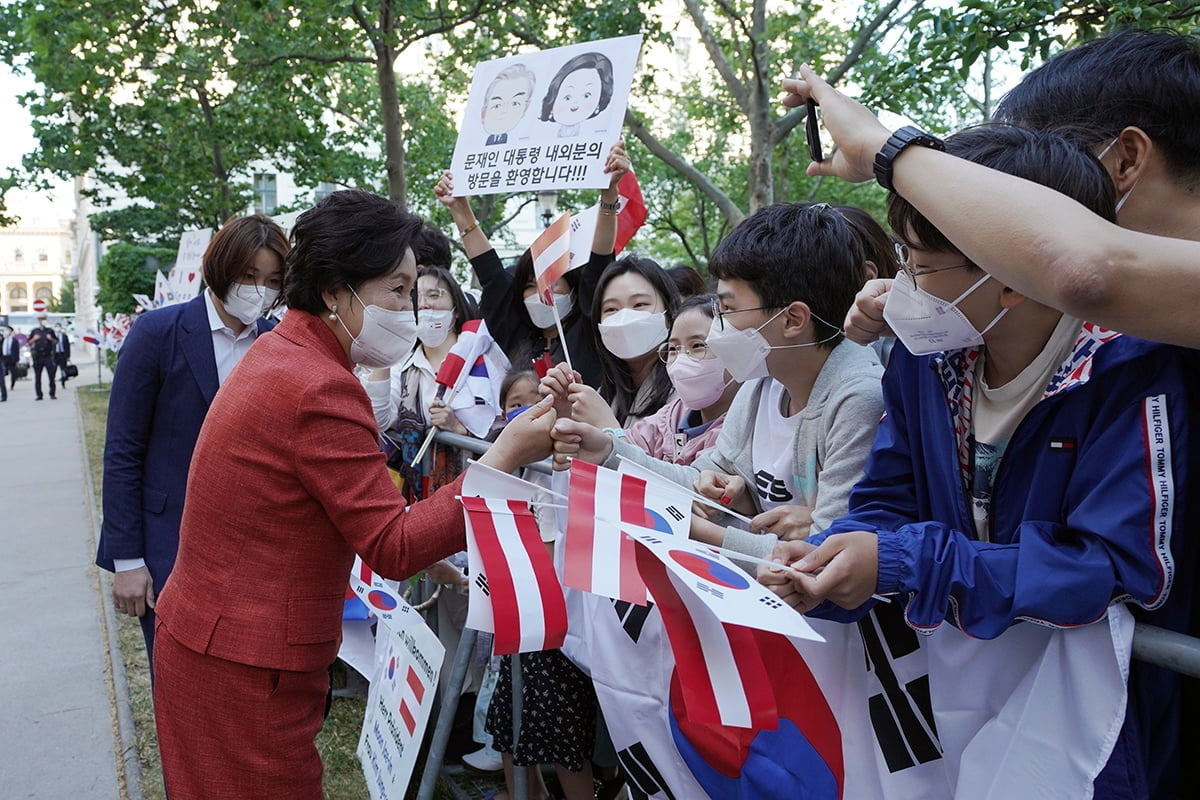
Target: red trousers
column 229, row 731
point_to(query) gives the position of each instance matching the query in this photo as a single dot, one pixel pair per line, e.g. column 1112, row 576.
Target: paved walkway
column 60, row 733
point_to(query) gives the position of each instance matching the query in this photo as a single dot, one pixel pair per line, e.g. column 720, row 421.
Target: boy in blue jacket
column 1029, row 466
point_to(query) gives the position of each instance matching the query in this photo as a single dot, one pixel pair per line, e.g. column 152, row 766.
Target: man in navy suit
column 171, row 364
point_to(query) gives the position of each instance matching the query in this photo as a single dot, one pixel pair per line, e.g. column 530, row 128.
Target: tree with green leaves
column 127, row 270
column 152, row 100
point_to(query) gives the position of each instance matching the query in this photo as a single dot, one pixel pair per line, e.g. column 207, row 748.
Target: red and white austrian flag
column 514, row 591
column 551, row 252
column 597, row 557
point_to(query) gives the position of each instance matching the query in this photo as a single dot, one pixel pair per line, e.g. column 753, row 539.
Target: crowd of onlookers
column 953, row 412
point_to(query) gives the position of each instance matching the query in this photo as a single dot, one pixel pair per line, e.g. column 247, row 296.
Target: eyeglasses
column 902, row 256
column 719, row 314
column 667, row 353
column 432, row 295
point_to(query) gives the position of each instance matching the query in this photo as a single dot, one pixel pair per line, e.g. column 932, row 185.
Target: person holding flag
column 409, row 403
column 522, row 324
column 287, row 485
column 408, row 400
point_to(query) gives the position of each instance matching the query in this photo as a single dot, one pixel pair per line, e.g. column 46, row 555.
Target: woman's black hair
column 702, row 302
column 233, row 249
column 688, row 281
column 431, row 247
column 879, row 247
column 348, row 238
column 596, row 61
column 616, row 382
column 462, row 309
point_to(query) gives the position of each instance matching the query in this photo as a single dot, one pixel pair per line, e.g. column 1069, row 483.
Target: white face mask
column 542, row 315
column 928, row 324
column 385, row 338
column 248, row 301
column 744, row 351
column 698, row 382
column 1099, row 157
column 630, row 333
column 434, row 325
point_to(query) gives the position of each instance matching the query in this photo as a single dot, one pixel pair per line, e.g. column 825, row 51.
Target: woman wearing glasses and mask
column 690, row 423
column 287, row 484
column 407, row 400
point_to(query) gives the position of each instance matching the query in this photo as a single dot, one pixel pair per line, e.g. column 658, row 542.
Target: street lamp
column 547, row 203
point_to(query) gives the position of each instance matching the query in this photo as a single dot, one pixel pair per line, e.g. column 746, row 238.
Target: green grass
column 337, row 740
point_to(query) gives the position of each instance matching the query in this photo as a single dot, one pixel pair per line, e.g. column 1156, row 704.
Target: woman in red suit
column 287, row 483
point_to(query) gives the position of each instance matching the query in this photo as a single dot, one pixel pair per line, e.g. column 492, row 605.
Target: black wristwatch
column 894, row 146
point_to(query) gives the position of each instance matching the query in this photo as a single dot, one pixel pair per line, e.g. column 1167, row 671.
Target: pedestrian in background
column 42, row 341
column 62, row 353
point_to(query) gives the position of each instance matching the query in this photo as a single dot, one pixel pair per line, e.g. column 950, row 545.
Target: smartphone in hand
column 812, row 134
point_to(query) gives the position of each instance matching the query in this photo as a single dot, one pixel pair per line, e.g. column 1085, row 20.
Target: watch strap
column 895, row 145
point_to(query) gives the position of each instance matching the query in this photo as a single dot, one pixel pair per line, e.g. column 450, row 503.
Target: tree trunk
column 389, row 99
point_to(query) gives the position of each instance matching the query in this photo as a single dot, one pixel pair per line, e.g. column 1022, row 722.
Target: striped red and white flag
column 552, row 256
column 633, row 209
column 597, row 557
column 721, row 673
column 514, row 579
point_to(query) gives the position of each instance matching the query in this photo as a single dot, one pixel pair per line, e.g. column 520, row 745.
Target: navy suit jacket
column 165, row 380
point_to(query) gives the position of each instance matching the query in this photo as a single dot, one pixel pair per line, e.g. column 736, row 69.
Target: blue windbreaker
column 1089, row 507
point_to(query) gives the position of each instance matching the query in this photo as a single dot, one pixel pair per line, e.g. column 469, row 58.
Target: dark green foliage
column 127, row 270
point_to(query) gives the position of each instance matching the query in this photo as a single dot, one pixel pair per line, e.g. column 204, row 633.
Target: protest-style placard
column 186, row 274
column 544, row 120
column 398, row 708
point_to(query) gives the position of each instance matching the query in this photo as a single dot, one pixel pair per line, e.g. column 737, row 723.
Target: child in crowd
column 1030, row 466
column 786, row 277
column 519, row 322
column 558, row 703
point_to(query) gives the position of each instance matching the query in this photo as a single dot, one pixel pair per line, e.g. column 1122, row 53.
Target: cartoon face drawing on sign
column 505, row 102
column 580, row 90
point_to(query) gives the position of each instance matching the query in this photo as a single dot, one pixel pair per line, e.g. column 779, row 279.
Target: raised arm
column 1032, row 238
column 605, row 238
column 474, row 240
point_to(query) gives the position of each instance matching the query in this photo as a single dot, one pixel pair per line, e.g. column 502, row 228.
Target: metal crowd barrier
column 1151, row 644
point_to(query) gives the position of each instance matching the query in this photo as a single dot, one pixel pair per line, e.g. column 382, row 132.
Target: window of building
column 324, row 189
column 42, row 255
column 266, row 196
column 17, row 298
column 18, row 254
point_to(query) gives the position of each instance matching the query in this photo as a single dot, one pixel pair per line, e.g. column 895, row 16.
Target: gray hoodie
column 829, row 451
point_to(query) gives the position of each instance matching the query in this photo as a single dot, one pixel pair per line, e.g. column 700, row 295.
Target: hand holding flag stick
column 464, row 357
column 551, row 252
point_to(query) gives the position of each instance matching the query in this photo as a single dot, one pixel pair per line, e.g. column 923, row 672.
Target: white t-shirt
column 996, row 413
column 772, row 449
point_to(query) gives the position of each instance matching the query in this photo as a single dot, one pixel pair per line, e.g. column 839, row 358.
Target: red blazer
column 286, row 484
